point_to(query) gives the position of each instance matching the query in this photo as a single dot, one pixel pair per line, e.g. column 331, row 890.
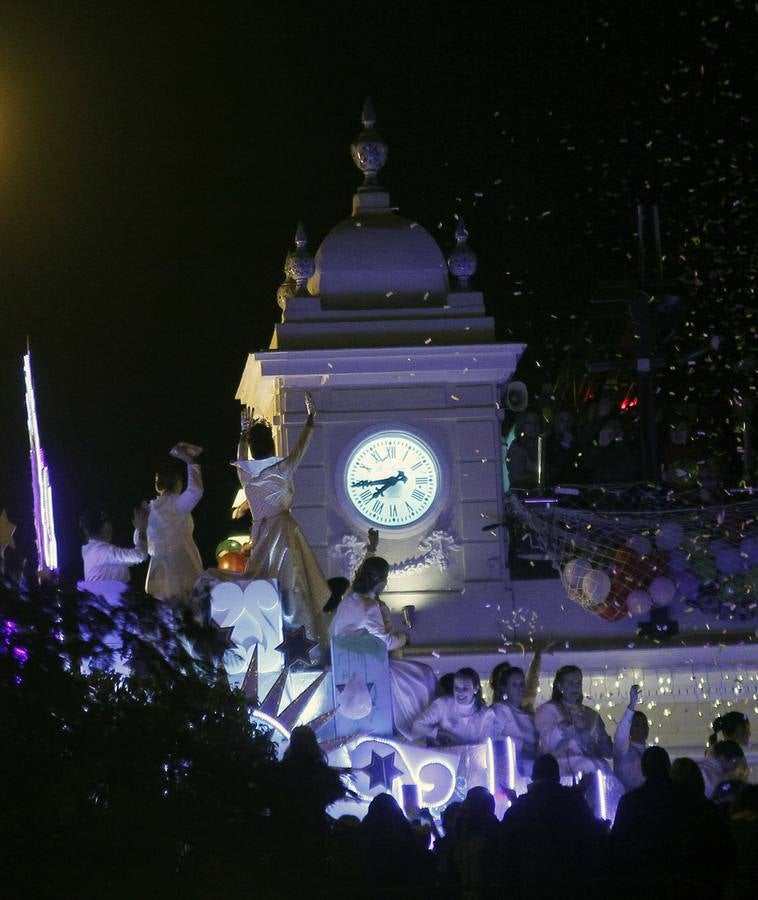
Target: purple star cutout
column 296, row 646
column 381, row 770
column 225, row 633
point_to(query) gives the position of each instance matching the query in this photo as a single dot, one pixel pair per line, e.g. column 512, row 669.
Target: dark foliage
column 149, row 784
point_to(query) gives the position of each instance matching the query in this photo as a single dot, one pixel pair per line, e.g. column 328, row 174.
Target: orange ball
column 233, row 562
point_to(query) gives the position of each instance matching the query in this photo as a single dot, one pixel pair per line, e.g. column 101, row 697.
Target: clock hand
column 388, row 482
column 384, row 482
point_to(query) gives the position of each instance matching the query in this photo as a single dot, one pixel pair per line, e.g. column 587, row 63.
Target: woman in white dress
column 412, row 684
column 280, row 549
column 572, row 732
column 460, row 719
column 175, row 563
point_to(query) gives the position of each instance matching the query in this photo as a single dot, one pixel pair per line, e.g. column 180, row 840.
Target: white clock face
column 392, row 478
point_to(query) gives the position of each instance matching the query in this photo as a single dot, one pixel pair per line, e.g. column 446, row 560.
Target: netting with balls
column 624, row 563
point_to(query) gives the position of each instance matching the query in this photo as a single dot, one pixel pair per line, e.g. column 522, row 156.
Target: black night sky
column 155, row 159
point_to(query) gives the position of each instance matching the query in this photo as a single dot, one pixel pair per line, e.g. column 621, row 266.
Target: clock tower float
column 407, row 377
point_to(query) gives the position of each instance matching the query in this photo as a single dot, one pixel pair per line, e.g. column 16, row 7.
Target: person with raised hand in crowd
column 629, row 742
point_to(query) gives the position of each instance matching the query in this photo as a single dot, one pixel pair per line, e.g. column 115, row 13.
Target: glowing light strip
column 44, row 525
column 271, row 722
column 601, row 794
column 491, row 767
column 494, row 762
column 510, row 748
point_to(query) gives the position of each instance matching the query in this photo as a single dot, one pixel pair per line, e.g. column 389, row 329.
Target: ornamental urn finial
column 299, row 265
column 462, row 259
column 368, row 150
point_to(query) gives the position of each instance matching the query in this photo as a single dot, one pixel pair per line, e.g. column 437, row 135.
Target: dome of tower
column 377, row 258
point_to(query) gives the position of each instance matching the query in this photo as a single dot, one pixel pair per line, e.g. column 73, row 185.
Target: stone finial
column 299, row 265
column 285, row 290
column 462, row 259
column 368, row 150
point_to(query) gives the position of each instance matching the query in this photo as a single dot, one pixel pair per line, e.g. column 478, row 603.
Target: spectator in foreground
column 549, row 839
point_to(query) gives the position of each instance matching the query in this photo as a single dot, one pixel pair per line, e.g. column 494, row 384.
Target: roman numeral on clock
column 417, row 495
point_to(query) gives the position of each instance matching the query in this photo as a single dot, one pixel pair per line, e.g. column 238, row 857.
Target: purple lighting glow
column 44, row 526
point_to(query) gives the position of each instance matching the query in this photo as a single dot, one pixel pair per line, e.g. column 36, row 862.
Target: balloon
column 640, row 545
column 662, row 591
column 670, row 536
column 728, row 561
column 233, row 562
column 717, row 545
column 749, row 550
column 596, row 585
column 639, row 603
column 687, row 585
column 228, row 546
column 574, row 572
column 678, row 561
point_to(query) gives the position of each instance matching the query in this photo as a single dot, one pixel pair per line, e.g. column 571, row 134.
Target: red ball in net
column 613, row 608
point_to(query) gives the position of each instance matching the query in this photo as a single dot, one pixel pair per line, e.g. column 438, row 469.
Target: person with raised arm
column 175, row 563
column 280, row 549
column 629, row 743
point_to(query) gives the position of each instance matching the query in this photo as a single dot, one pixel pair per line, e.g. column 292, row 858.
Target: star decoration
column 6, row 530
column 381, row 770
column 296, row 646
column 225, row 633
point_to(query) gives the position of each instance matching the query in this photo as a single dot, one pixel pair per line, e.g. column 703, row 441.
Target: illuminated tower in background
column 44, row 525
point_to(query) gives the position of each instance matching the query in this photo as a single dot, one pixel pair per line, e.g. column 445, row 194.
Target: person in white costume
column 460, row 719
column 725, row 762
column 512, row 716
column 280, row 549
column 175, row 563
column 412, row 684
column 104, row 561
column 629, row 743
column 572, row 732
